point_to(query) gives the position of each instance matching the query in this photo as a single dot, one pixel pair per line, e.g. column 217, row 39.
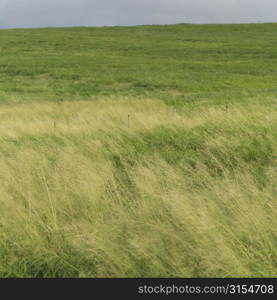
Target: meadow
column 144, row 151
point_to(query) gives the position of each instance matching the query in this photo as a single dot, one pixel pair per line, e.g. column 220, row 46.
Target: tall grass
column 188, row 192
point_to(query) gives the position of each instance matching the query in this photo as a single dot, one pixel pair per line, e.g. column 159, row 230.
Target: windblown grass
column 138, row 152
column 172, row 195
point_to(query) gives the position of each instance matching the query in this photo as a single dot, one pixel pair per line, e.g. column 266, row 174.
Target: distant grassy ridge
column 182, row 62
column 142, row 151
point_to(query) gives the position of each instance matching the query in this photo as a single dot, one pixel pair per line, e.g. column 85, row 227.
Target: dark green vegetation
column 187, row 188
column 182, row 63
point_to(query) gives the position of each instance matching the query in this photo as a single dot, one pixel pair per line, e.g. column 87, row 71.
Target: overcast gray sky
column 37, row 13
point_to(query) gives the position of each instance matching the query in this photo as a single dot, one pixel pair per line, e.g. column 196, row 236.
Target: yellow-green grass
column 123, row 186
column 144, row 151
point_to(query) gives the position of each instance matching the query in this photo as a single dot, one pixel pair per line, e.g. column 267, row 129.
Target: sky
column 44, row 13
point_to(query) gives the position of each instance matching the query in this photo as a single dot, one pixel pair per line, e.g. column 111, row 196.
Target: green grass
column 176, row 63
column 186, row 188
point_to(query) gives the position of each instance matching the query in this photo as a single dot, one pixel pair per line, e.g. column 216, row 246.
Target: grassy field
column 139, row 151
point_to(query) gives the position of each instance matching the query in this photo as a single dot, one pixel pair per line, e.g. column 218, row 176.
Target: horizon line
column 135, row 25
